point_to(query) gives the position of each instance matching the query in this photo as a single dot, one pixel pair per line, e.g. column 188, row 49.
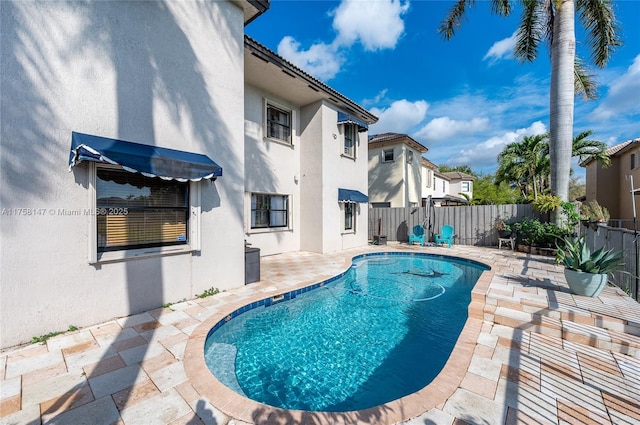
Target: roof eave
column 252, row 9
column 341, row 101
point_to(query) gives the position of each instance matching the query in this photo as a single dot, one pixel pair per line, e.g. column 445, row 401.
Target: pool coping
column 433, row 395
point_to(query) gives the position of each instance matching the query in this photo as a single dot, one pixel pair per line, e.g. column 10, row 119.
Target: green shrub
column 533, row 232
column 546, row 203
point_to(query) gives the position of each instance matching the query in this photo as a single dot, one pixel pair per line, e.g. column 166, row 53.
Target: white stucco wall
column 386, row 179
column 441, row 187
column 272, row 168
column 342, row 172
column 427, row 182
column 165, row 74
column 311, row 179
column 414, row 176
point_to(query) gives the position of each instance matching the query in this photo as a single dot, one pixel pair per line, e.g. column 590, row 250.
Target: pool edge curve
column 238, row 407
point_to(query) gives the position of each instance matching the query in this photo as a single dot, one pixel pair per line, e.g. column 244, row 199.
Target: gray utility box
column 379, row 240
column 251, row 265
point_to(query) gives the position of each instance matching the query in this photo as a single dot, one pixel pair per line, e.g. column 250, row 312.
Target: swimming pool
column 373, row 334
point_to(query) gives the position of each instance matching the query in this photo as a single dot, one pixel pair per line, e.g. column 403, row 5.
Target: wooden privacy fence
column 621, row 240
column 473, row 225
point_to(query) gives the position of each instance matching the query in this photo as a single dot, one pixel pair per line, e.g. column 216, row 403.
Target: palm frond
column 584, row 81
column 586, row 149
column 602, row 28
column 452, row 22
column 501, row 7
column 530, row 32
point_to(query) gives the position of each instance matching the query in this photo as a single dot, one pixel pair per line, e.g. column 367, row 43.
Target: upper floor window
column 428, row 179
column 278, row 123
column 634, row 161
column 466, row 187
column 269, row 210
column 387, row 155
column 409, row 157
column 134, row 211
column 350, row 137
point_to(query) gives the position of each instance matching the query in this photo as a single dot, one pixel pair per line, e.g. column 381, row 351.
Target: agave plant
column 576, row 255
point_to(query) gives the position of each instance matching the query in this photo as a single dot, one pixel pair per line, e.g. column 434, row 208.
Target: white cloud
column 320, row 60
column 376, row 99
column 501, row 49
column 485, row 153
column 623, row 94
column 376, row 24
column 398, row 117
column 445, row 128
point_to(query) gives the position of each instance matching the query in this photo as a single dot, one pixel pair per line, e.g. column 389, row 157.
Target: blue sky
column 465, row 99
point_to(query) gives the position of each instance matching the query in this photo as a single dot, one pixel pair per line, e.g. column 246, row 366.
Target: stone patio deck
column 530, row 353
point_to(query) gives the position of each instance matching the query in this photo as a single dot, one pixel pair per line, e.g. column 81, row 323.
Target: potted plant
column 503, row 228
column 587, row 272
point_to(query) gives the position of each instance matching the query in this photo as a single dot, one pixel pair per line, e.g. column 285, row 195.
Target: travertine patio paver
column 531, row 353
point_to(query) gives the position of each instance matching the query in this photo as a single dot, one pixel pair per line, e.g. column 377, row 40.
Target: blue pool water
column 382, row 330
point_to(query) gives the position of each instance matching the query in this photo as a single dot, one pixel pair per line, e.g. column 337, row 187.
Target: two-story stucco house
column 143, row 143
column 305, row 159
column 611, row 186
column 395, row 170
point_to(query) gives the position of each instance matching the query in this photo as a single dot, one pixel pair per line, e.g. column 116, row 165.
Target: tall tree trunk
column 563, row 51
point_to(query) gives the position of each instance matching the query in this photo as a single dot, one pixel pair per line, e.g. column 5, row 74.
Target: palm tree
column 525, row 163
column 590, row 149
column 554, row 21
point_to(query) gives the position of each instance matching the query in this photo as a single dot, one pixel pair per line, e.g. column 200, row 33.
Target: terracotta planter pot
column 589, row 284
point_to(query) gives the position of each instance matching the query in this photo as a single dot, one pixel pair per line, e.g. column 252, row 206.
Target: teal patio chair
column 445, row 235
column 417, row 235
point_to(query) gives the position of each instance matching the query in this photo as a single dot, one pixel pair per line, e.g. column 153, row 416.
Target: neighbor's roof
column 443, row 176
column 615, row 150
column 306, row 81
column 388, row 139
column 457, row 175
column 429, row 164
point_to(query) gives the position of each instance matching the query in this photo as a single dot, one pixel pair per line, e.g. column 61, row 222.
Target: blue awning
column 344, row 118
column 346, row 195
column 151, row 161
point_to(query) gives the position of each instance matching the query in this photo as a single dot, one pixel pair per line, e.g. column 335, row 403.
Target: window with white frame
column 134, row 211
column 350, row 138
column 634, row 161
column 278, row 123
column 349, row 208
column 387, row 155
column 269, row 211
column 428, row 179
column 466, row 187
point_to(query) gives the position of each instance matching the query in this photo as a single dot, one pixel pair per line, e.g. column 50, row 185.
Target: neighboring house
column 305, row 159
column 395, row 170
column 249, row 148
column 444, row 188
column 460, row 188
column 611, row 186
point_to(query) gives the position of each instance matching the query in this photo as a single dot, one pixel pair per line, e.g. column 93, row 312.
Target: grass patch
column 43, row 338
column 208, row 293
